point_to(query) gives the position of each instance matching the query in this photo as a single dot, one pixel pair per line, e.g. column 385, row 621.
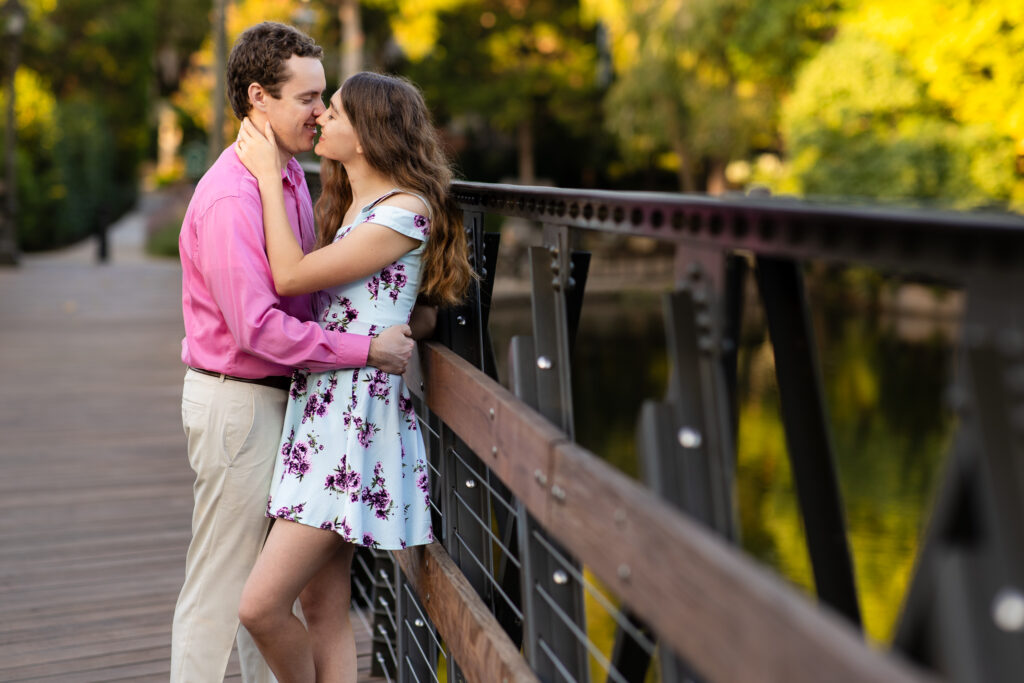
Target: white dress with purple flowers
column 352, row 458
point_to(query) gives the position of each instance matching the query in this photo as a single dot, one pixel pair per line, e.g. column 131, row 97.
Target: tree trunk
column 684, row 172
column 524, row 142
column 215, row 144
column 351, row 48
column 717, row 184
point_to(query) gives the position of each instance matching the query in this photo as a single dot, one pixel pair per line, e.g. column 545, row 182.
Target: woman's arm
column 365, row 250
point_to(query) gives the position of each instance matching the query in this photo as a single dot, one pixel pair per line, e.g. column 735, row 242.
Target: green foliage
column 65, row 175
column 860, row 122
column 700, row 79
column 163, row 242
column 78, row 159
column 85, row 159
column 497, row 67
column 36, row 178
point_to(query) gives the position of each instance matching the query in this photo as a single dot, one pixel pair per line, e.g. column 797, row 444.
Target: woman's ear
column 257, row 96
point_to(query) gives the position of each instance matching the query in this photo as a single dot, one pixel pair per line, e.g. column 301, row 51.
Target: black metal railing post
column 806, row 425
column 964, row 612
column 541, row 377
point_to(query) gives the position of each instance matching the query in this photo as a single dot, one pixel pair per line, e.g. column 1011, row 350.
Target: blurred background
column 912, row 100
column 916, row 101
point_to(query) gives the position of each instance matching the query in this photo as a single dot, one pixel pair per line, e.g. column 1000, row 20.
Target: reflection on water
column 885, row 380
column 885, row 377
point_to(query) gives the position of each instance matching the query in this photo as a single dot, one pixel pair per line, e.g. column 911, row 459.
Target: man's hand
column 391, row 349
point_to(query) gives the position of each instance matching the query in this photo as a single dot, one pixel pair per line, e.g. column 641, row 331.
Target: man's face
column 293, row 115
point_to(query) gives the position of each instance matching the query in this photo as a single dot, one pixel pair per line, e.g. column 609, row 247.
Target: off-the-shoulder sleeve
column 409, row 223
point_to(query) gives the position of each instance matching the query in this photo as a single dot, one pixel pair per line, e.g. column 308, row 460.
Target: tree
column 518, row 68
column 697, row 82
column 913, row 101
column 82, row 170
column 195, row 96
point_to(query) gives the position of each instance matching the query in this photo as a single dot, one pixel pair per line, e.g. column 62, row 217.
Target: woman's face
column 338, row 140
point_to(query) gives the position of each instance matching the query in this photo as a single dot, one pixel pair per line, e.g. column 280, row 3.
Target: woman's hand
column 258, row 152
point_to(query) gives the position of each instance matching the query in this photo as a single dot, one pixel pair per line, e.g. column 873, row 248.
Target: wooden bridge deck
column 95, row 487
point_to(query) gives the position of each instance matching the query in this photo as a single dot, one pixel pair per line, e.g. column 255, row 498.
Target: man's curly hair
column 258, row 56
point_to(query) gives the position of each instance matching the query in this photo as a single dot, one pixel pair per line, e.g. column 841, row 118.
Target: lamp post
column 14, row 26
column 304, row 17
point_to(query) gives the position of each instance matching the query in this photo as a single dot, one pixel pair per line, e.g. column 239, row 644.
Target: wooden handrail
column 470, row 632
column 731, row 619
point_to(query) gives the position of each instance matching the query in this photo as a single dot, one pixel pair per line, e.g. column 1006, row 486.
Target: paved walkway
column 95, row 487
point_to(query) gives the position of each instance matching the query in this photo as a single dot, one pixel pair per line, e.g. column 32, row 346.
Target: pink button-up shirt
column 235, row 322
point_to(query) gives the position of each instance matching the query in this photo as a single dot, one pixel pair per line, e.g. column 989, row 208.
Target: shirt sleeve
column 233, row 261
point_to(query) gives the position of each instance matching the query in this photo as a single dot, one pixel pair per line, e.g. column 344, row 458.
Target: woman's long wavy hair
column 399, row 140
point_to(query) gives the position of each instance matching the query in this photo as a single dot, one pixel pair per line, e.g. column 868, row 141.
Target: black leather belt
column 274, row 381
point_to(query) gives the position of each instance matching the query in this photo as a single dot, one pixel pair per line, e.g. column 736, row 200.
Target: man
column 242, row 342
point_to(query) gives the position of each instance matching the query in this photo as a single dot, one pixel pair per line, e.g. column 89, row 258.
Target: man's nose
column 319, row 109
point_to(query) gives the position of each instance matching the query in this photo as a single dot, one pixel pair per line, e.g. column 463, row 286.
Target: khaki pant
column 234, row 431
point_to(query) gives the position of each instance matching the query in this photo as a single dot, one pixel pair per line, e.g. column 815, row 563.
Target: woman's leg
column 293, row 554
column 326, row 602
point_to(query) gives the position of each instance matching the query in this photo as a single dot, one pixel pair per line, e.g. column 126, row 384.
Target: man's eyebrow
column 309, row 93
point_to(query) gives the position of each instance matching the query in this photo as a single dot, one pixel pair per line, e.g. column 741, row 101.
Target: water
column 884, row 374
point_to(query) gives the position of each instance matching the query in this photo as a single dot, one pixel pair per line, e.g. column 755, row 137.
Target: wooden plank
column 96, row 485
column 731, row 618
column 492, row 422
column 472, row 635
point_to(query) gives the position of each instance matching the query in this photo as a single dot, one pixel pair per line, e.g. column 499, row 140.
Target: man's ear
column 257, row 96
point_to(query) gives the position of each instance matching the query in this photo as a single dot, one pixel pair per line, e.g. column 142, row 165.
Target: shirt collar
column 292, row 172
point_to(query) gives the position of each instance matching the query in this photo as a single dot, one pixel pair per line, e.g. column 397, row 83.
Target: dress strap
column 393, row 192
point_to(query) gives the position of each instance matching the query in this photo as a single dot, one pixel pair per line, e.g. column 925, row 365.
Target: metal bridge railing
column 536, row 535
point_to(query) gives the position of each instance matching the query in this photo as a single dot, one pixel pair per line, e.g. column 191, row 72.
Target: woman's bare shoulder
column 409, row 202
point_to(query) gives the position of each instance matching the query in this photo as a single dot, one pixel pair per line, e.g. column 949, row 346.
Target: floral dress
column 352, row 458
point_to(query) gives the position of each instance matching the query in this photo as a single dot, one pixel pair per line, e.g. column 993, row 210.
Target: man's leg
column 233, row 431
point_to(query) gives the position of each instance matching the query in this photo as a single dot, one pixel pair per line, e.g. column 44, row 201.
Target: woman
column 353, row 467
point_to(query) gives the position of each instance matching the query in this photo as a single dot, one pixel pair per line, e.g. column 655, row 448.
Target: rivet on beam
column 690, row 438
column 1008, row 610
